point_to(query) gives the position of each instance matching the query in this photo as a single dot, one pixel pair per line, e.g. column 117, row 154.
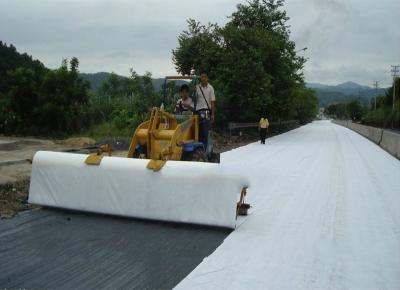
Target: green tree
column 199, row 47
column 354, row 110
column 385, row 115
column 251, row 61
column 23, row 94
column 11, row 59
column 125, row 101
column 44, row 101
column 304, row 104
column 62, row 101
column 338, row 111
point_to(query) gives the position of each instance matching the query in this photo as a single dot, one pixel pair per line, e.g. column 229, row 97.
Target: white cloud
column 354, row 40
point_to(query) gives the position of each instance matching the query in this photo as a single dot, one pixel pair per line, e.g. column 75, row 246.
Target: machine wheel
column 197, row 155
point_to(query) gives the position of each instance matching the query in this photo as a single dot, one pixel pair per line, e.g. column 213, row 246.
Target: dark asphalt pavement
column 56, row 249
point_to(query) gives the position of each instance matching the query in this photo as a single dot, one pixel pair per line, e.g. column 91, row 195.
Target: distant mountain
column 344, row 92
column 345, row 88
column 95, row 79
column 351, row 86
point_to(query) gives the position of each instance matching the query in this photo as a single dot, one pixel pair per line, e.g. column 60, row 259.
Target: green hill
column 344, row 92
column 96, row 79
column 10, row 59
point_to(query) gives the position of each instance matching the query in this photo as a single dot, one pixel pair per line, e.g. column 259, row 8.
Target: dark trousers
column 263, row 135
column 204, row 127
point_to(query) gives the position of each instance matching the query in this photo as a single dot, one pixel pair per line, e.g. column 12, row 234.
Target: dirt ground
column 13, row 198
column 224, row 143
column 16, row 153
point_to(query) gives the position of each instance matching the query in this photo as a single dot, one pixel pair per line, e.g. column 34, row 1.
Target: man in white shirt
column 205, row 106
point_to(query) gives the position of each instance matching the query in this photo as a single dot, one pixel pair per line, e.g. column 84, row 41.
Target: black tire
column 197, row 155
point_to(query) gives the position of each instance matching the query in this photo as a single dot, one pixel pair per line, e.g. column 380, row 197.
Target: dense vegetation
column 11, row 59
column 251, row 62
column 35, row 100
column 349, row 110
column 122, row 103
column 384, row 115
column 38, row 101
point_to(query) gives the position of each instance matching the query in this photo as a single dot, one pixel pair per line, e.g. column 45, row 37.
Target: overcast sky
column 353, row 40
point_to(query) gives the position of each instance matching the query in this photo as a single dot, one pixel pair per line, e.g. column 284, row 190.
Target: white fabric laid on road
column 188, row 192
column 326, row 215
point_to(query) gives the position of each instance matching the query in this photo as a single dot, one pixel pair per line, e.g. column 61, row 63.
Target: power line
column 395, row 72
column 376, row 85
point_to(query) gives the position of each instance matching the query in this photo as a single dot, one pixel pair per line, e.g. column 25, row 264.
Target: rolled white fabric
column 188, row 192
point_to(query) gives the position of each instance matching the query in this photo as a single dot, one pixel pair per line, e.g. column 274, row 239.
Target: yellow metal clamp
column 156, row 165
column 95, row 159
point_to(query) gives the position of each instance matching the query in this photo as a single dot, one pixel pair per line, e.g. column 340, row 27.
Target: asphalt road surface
column 55, row 249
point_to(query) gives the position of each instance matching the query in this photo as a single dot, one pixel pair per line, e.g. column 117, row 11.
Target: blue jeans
column 204, row 127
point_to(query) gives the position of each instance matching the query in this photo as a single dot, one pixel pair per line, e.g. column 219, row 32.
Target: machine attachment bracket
column 156, row 165
column 242, row 207
column 95, row 159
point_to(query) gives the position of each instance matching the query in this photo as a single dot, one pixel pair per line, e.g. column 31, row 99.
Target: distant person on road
column 263, row 127
column 205, row 106
column 184, row 105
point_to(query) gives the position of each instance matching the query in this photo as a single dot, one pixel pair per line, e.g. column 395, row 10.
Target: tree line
column 35, row 100
column 251, row 61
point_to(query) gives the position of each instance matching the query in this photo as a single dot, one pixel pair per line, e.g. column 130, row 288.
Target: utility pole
column 395, row 71
column 376, row 85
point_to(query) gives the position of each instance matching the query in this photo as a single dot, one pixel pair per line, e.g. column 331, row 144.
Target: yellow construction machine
column 167, row 136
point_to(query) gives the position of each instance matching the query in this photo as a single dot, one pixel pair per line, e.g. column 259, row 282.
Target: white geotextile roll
column 189, row 192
